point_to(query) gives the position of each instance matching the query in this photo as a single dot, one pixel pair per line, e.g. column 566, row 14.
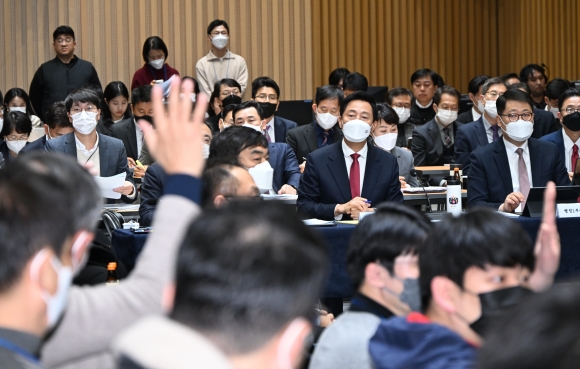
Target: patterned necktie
column 325, row 141
column 354, row 176
column 495, row 134
column 523, row 175
column 447, row 136
column 574, row 157
column 265, row 132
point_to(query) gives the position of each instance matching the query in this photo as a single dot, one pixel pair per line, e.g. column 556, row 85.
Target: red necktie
column 355, row 176
column 574, row 157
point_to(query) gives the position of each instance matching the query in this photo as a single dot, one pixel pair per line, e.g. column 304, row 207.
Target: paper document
column 166, row 86
column 122, row 207
column 318, row 222
column 107, row 184
column 279, row 197
column 421, row 190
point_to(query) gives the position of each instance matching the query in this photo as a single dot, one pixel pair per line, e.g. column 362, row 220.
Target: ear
column 340, row 124
column 290, row 344
column 472, row 98
column 41, row 271
column 444, row 293
column 277, row 105
column 547, row 101
column 221, row 124
column 219, row 201
column 435, row 108
column 98, row 115
column 69, row 116
column 498, row 121
column 46, row 129
column 374, row 275
column 80, row 245
column 314, row 108
column 560, row 116
column 168, row 297
column 209, row 38
column 374, row 125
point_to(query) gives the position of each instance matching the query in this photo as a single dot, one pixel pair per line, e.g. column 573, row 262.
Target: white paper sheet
column 107, row 184
column 421, row 190
column 318, row 222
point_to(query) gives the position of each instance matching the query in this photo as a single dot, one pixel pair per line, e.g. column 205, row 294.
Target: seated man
column 226, row 119
column 382, row 263
column 354, row 82
column 485, row 129
column 554, row 89
column 543, row 120
column 349, row 177
column 399, row 99
column 229, row 92
column 246, row 283
column 475, row 93
column 323, row 131
column 280, row 155
column 57, row 124
column 424, row 83
column 106, row 154
column 266, row 92
column 502, row 173
column 384, row 136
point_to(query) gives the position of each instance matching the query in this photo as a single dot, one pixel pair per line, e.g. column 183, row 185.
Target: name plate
column 568, row 210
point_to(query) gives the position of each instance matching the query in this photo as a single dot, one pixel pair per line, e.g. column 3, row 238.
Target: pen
column 303, row 158
column 368, row 202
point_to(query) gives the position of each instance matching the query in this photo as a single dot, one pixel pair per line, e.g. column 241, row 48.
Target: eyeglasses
column 66, row 40
column 90, row 109
column 216, row 33
column 226, row 93
column 571, row 110
column 494, row 94
column 17, row 138
column 264, row 97
column 514, row 117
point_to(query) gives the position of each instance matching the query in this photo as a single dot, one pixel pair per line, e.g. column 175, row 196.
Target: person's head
column 424, row 83
column 326, row 105
column 554, row 89
column 17, row 100
column 218, row 33
column 522, row 86
column 57, row 122
column 337, row 76
column 249, row 114
column 248, row 146
column 569, row 110
column 141, row 103
column 510, row 78
column 491, row 90
column 229, row 92
column 64, row 42
column 515, row 108
column 82, row 107
column 15, row 131
column 223, row 182
column 400, row 98
column 96, row 89
column 382, row 253
column 462, row 259
column 385, row 131
column 247, row 278
column 535, row 77
column 266, row 92
column 227, row 117
column 40, row 252
column 354, row 82
column 446, row 102
column 116, row 102
column 474, row 88
column 195, row 84
column 155, row 52
column 360, row 111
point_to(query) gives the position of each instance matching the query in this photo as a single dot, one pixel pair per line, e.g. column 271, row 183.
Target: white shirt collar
column 83, row 149
column 475, row 114
column 486, row 123
column 568, row 144
column 423, row 107
column 348, row 151
column 511, row 148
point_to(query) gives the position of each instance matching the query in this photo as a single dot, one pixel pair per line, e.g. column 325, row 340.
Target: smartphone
column 158, row 81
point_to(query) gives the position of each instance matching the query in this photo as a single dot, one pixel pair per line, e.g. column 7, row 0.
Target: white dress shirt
column 489, row 131
column 568, row 149
column 513, row 158
column 85, row 156
column 139, row 134
column 475, row 114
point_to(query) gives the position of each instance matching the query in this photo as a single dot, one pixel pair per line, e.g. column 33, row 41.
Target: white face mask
column 84, row 122
column 20, row 109
column 554, row 111
column 205, row 151
column 490, row 108
column 263, row 175
column 520, row 130
column 257, row 128
column 193, row 97
column 16, row 146
column 220, row 41
column 480, row 106
column 157, row 63
column 386, row 141
column 356, row 130
column 403, row 114
column 446, row 117
column 326, row 120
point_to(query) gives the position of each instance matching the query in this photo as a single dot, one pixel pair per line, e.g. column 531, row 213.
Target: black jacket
column 54, row 80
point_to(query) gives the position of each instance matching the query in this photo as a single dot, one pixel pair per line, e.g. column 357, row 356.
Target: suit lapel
column 372, row 169
column 560, row 143
column 310, row 137
column 132, row 138
column 480, row 132
column 536, row 162
column 503, row 166
column 279, row 130
column 436, row 137
column 337, row 167
column 104, row 157
column 70, row 146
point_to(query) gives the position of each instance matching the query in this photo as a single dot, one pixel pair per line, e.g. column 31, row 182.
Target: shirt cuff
column 183, row 185
column 339, row 216
column 132, row 196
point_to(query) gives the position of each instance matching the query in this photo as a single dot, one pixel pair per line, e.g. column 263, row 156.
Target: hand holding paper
column 109, row 184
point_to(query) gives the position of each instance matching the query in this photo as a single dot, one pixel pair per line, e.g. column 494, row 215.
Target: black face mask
column 268, row 109
column 495, row 304
column 231, row 100
column 145, row 117
column 572, row 121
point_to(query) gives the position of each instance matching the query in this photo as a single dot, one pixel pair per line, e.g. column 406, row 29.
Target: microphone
column 419, row 175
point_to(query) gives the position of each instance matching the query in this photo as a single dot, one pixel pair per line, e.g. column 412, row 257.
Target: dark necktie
column 265, row 132
column 325, row 141
column 523, row 175
column 447, row 141
column 495, row 134
column 574, row 157
column 355, row 176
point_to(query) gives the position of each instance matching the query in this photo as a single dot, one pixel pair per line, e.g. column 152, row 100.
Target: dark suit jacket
column 125, row 131
column 543, row 123
column 325, row 181
column 6, row 157
column 303, row 139
column 465, row 117
column 490, row 178
column 558, row 139
column 112, row 156
column 151, row 189
column 214, row 122
column 427, row 144
column 34, row 145
column 286, row 171
column 468, row 138
column 281, row 128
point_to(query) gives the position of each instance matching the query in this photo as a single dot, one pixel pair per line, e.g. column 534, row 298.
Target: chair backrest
column 112, row 221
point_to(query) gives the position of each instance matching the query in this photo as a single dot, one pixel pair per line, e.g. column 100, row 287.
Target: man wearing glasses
column 502, row 173
column 484, row 130
column 56, row 78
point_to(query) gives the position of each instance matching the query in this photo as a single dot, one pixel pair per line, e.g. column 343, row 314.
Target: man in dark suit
column 266, row 92
column 349, row 177
column 543, row 120
column 106, row 154
column 503, row 172
column 485, row 129
column 323, row 131
column 57, row 124
column 475, row 92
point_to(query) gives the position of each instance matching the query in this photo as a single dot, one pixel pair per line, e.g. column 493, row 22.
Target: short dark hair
column 387, row 114
column 260, row 82
column 363, row 96
column 355, row 82
column 328, row 92
column 18, row 92
column 216, row 23
column 154, row 43
column 556, row 87
column 18, row 121
column 446, row 90
column 528, row 71
column 246, row 271
column 56, row 116
column 141, row 94
column 246, row 105
column 82, row 96
column 520, row 86
column 424, row 72
column 395, row 92
column 513, row 94
column 510, row 75
column 476, row 82
column 217, row 180
column 95, row 88
column 226, row 109
column 493, row 81
column 566, row 95
column 228, row 144
column 63, row 30
column 457, row 243
column 336, row 75
column 114, row 89
column 230, row 82
column 540, row 332
column 27, row 221
column 393, row 229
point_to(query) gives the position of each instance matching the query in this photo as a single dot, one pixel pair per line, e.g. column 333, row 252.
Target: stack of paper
column 108, row 184
column 319, row 223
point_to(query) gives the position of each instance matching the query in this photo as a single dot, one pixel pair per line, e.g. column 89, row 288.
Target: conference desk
column 128, row 245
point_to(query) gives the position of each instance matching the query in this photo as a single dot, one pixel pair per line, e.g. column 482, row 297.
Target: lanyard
column 19, row 350
column 153, row 71
column 92, row 154
column 227, row 70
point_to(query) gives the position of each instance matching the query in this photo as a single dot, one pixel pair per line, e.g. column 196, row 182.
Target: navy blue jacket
column 281, row 128
column 558, row 139
column 490, row 178
column 151, row 189
column 325, row 181
column 468, row 138
column 35, row 145
column 283, row 160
